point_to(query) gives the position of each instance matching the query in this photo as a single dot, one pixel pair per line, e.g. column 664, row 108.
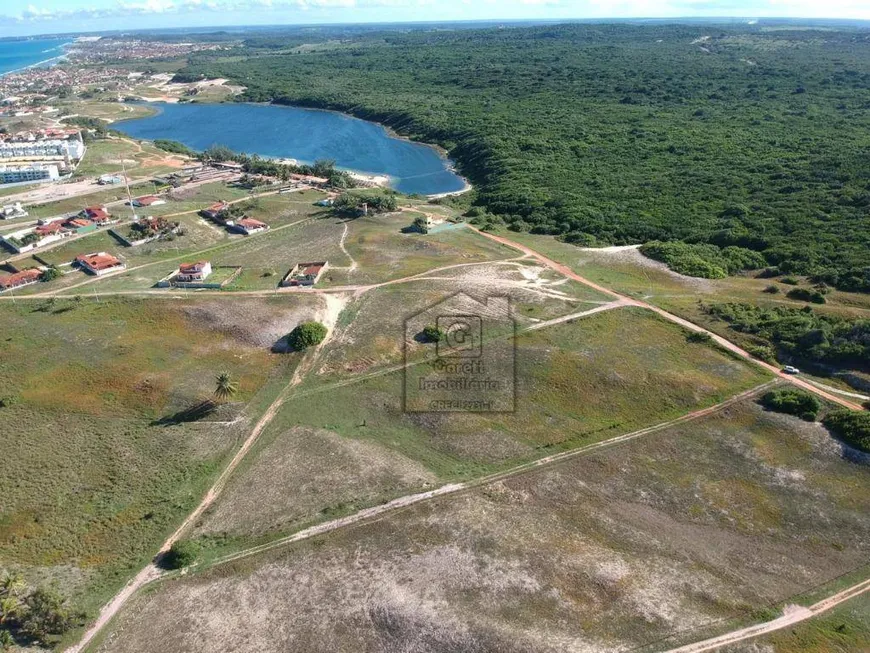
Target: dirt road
column 727, row 344
column 792, row 614
column 151, row 571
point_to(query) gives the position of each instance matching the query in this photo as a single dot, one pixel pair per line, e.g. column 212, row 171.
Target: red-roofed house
column 97, row 214
column 250, row 226
column 148, row 200
column 305, row 274
column 188, row 272
column 23, row 278
column 215, row 211
column 100, row 263
column 51, row 229
column 80, row 225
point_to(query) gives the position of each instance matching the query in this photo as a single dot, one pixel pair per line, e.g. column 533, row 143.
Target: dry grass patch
column 606, row 552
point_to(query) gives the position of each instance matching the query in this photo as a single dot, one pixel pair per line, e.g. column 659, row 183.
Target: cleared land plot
column 372, row 328
column 100, row 474
column 709, row 521
column 105, row 156
column 574, row 387
column 383, row 252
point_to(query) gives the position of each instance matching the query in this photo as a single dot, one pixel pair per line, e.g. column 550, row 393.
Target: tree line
column 621, row 134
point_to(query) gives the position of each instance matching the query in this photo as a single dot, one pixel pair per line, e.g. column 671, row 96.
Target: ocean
column 15, row 55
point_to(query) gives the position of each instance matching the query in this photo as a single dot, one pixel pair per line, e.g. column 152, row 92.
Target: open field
column 371, row 329
column 706, row 523
column 105, row 156
column 99, row 477
column 383, row 252
column 377, row 451
column 627, row 271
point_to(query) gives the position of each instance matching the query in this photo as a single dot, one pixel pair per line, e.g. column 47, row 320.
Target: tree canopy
column 621, row 134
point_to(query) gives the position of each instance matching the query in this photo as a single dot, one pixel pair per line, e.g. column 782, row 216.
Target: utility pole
column 127, row 186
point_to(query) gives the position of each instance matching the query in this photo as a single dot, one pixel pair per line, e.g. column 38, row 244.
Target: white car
column 788, row 369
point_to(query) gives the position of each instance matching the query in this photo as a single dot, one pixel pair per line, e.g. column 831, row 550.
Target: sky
column 27, row 17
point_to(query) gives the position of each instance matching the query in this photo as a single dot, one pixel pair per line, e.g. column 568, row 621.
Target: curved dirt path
column 724, row 342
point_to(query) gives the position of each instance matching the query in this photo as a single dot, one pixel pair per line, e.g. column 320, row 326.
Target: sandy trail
column 791, row 615
column 151, row 572
column 353, row 264
column 368, row 514
column 723, row 342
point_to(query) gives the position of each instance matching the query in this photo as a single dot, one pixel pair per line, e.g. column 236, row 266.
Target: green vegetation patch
column 792, row 402
column 812, row 336
column 703, row 260
column 102, row 462
column 618, row 133
column 852, row 426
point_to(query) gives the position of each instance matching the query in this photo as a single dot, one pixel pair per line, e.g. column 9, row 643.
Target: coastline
column 44, row 62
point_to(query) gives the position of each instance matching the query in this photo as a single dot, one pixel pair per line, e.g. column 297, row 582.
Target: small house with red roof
column 305, row 274
column 215, row 211
column 190, row 272
column 148, row 200
column 250, row 226
column 100, row 263
column 18, row 279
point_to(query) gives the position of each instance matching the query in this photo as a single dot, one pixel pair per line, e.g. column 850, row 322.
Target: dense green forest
column 803, row 333
column 613, row 134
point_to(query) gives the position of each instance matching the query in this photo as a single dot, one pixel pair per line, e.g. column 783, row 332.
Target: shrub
column 306, row 335
column 773, row 290
column 762, row 353
column 50, row 274
column 806, row 295
column 698, row 336
column 431, row 333
column 792, row 402
column 852, row 427
column 181, row 554
column 791, row 281
column 802, row 333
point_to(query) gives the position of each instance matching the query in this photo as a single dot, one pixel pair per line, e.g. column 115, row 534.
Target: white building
column 16, row 174
column 10, row 211
column 72, row 148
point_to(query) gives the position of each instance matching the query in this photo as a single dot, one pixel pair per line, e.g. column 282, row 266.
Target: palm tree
column 12, row 585
column 10, row 608
column 225, row 386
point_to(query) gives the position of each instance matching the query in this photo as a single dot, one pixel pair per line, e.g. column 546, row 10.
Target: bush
column 852, row 427
column 772, row 290
column 762, row 353
column 431, row 333
column 50, row 274
column 791, row 281
column 792, row 402
column 698, row 336
column 181, row 554
column 306, row 335
column 806, row 295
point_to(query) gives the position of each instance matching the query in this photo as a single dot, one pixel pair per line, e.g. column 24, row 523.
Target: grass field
column 98, row 480
column 711, row 522
column 653, row 376
column 141, row 159
column 383, row 252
